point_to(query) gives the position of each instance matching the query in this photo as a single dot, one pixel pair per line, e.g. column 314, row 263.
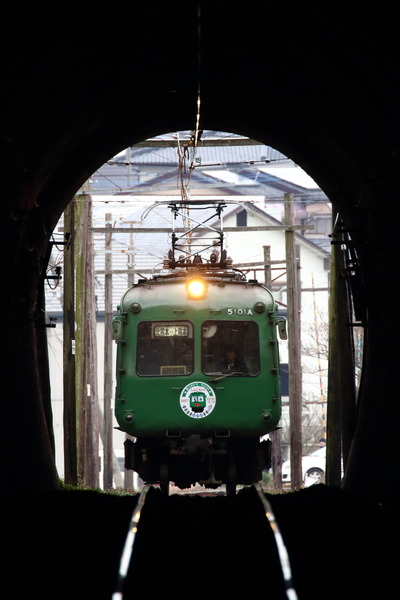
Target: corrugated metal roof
column 206, row 154
column 123, row 174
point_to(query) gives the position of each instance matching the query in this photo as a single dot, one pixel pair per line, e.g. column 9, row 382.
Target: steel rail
column 126, row 555
column 129, row 543
column 291, row 593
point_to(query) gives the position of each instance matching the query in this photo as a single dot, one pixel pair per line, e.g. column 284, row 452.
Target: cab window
column 164, row 348
column 230, row 347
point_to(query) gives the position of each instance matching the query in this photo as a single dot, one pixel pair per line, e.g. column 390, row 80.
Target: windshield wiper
column 227, row 375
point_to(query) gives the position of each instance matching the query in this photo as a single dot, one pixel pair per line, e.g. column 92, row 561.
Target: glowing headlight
column 196, row 288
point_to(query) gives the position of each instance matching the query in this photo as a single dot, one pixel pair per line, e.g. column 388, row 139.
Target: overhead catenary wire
column 197, row 128
column 183, row 152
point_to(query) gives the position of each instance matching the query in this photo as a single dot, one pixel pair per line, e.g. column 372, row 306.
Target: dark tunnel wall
column 320, row 85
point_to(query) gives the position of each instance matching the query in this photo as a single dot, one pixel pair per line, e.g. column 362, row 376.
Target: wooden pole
column 92, row 421
column 108, row 378
column 69, row 417
column 275, row 435
column 86, row 349
column 130, row 481
column 295, row 383
column 80, row 357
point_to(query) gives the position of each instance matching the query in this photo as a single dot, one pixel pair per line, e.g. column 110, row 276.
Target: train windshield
column 230, row 347
column 164, row 348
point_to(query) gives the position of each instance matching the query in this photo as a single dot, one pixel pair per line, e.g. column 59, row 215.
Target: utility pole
column 70, row 439
column 130, row 481
column 295, row 383
column 276, row 434
column 86, row 347
column 107, row 437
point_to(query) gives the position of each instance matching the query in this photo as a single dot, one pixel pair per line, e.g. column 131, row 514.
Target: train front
column 197, row 379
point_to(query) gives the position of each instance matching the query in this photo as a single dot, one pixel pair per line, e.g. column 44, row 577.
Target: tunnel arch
column 96, row 190
column 327, row 97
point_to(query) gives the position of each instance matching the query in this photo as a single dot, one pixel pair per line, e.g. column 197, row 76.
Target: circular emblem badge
column 197, row 400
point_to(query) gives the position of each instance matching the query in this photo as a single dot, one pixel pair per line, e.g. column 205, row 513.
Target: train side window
column 164, row 348
column 230, row 347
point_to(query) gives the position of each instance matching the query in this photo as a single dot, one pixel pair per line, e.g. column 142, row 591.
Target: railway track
column 127, row 561
column 69, row 545
column 129, row 544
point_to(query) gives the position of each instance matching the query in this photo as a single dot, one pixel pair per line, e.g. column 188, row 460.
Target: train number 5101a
column 240, row 311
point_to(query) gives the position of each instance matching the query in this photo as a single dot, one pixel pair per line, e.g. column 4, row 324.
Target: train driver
column 233, row 362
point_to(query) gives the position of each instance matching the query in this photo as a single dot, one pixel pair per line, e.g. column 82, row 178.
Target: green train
column 197, row 382
column 197, row 378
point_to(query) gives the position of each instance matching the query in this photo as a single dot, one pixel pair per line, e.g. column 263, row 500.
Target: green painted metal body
column 157, row 406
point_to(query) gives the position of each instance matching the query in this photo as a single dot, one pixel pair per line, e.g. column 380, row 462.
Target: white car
column 313, row 468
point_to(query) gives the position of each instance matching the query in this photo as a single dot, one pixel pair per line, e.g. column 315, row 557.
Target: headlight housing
column 196, row 288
